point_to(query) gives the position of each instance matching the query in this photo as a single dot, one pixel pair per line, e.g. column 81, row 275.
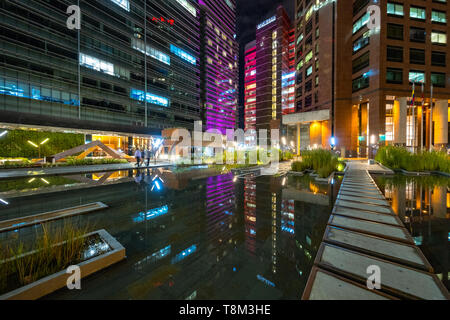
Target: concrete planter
column 412, row 173
column 296, row 173
column 325, row 180
column 51, row 283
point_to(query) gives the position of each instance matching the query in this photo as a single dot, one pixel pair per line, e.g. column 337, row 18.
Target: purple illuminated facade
column 220, row 201
column 219, row 64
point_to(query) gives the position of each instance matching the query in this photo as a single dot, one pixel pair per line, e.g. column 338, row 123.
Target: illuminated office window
column 438, row 37
column 183, row 54
column 361, row 22
column 12, row 87
column 438, row 16
column 185, row 4
column 151, row 98
column 416, row 76
column 96, row 64
column 125, row 4
column 417, row 13
column 151, row 52
column 395, row 9
column 308, row 57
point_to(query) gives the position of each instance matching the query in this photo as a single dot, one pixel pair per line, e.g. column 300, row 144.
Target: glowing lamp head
column 332, row 141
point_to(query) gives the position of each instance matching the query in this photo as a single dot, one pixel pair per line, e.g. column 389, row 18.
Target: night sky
column 249, row 14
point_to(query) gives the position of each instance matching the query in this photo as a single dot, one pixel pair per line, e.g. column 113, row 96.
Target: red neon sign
column 161, row 19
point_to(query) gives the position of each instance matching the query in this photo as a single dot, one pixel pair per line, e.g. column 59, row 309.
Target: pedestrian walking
column 138, row 156
column 147, row 155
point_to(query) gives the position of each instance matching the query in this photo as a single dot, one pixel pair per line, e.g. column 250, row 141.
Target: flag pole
column 413, row 144
column 431, row 118
column 421, row 118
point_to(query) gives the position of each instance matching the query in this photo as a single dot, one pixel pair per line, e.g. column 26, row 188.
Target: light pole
column 38, row 146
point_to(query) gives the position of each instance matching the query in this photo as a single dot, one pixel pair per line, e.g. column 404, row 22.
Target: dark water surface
column 189, row 236
column 423, row 204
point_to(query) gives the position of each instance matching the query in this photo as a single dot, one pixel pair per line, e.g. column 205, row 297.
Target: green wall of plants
column 15, row 143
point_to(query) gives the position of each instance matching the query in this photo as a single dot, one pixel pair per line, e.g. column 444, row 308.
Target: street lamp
column 38, row 146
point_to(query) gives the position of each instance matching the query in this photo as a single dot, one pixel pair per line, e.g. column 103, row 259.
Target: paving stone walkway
column 364, row 234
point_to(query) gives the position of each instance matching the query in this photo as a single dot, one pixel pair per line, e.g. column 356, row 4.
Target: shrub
column 299, row 166
column 48, row 259
column 400, row 158
column 286, row 156
column 325, row 171
column 322, row 161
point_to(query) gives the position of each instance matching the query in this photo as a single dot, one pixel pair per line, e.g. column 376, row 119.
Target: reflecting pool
column 188, row 233
column 423, row 204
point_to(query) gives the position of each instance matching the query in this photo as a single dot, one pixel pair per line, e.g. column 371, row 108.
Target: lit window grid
column 151, row 52
column 222, row 113
column 183, row 54
column 151, row 98
column 96, row 64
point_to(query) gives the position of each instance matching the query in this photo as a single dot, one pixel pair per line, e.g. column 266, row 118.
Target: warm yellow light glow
column 33, row 144
column 45, row 141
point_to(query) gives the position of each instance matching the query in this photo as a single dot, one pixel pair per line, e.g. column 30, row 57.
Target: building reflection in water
column 423, row 204
column 219, row 212
column 212, row 237
column 250, row 214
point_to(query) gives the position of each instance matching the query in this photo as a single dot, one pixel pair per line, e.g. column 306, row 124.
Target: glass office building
column 132, row 69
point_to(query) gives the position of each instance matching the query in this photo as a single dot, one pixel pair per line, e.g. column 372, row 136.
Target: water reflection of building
column 425, row 211
column 250, row 214
column 219, row 212
column 287, row 216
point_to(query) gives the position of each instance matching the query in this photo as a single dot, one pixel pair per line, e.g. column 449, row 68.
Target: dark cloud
column 249, row 14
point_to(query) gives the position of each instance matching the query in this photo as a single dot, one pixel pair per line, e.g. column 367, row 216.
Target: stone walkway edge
column 363, row 233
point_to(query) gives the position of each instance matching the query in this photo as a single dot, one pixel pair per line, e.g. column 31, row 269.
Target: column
column 399, row 111
column 440, row 119
column 298, row 139
column 419, row 129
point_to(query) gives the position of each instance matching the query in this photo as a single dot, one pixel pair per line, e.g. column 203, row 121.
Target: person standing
column 147, row 156
column 138, row 156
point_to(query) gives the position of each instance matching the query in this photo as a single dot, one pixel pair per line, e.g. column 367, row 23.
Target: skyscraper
column 272, row 65
column 219, row 69
column 250, row 93
column 355, row 74
column 134, row 73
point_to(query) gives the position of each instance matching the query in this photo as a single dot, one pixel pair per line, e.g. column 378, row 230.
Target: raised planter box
column 51, row 283
column 23, row 222
column 296, row 173
column 412, row 173
column 325, row 180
